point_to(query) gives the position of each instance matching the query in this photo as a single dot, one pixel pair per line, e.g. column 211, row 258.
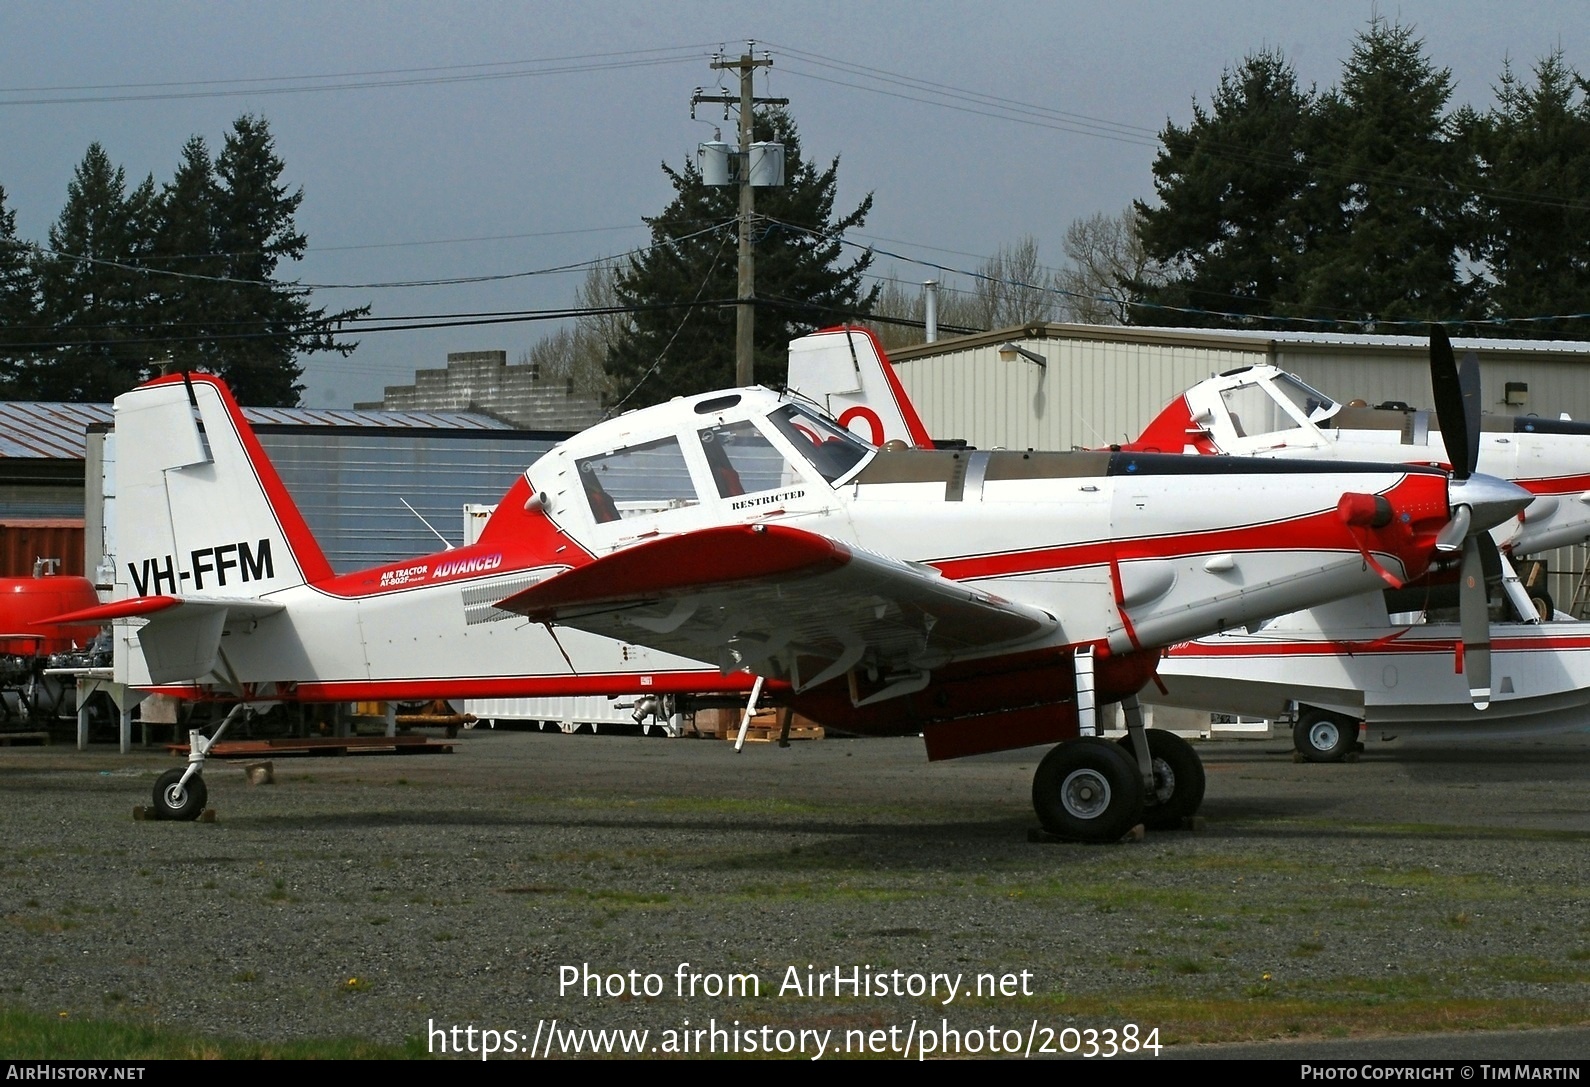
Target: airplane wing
column 781, row 602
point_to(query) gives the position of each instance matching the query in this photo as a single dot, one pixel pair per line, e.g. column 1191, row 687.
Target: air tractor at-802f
column 986, row 600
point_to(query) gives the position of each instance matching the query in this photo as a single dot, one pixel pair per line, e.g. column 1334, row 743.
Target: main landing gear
column 181, row 794
column 1322, row 736
column 1092, row 790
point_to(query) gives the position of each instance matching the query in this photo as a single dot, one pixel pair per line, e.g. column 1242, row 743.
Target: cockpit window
column 1254, row 412
column 743, row 461
column 637, row 480
column 831, row 449
column 1315, row 405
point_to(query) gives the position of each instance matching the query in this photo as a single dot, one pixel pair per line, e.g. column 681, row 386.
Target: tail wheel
column 1322, row 736
column 1088, row 790
column 175, row 800
column 1178, row 779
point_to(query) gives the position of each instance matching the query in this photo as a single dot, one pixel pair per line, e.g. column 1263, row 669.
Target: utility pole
column 745, row 296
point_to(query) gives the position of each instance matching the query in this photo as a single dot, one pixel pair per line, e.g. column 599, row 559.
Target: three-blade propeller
column 1457, row 408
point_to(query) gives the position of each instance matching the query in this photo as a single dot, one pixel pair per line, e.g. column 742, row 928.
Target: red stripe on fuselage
column 1556, row 485
column 1309, row 532
column 1204, row 650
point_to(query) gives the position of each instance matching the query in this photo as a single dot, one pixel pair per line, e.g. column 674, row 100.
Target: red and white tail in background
column 846, row 371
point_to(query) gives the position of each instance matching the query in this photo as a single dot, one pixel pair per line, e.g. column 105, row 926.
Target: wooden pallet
column 323, row 745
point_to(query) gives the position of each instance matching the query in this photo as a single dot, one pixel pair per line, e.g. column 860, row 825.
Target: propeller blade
column 1469, row 382
column 1474, row 613
column 1451, row 405
column 1450, row 541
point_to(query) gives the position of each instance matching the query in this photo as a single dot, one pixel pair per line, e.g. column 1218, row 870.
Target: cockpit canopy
column 1274, row 401
column 723, row 447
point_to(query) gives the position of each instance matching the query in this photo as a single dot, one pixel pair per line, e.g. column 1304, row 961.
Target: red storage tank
column 24, row 601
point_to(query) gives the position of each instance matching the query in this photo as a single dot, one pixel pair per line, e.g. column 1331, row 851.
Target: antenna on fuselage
column 426, row 523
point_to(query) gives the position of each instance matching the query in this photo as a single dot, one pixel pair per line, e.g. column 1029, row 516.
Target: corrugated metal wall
column 1093, row 392
column 24, row 541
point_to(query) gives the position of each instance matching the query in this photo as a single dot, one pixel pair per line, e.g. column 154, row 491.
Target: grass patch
column 41, row 924
column 1265, row 1015
column 34, row 1036
column 805, row 891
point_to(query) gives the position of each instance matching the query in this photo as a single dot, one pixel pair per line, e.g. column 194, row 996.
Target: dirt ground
column 842, row 892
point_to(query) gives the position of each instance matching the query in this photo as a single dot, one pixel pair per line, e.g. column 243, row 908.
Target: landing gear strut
column 181, row 794
column 1178, row 786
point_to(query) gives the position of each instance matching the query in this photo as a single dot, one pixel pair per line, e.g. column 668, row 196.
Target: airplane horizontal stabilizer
column 181, row 638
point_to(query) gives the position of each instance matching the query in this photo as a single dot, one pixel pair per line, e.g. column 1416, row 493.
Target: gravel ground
column 380, row 897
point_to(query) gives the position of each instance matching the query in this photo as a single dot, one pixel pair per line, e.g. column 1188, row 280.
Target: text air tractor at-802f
column 987, row 600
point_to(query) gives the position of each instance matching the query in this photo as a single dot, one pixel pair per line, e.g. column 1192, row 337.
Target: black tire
column 1178, row 779
column 1322, row 736
column 176, row 801
column 1088, row 790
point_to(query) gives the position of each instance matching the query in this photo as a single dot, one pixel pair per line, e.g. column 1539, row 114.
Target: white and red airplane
column 1336, row 667
column 1347, row 663
column 987, row 600
column 1265, row 411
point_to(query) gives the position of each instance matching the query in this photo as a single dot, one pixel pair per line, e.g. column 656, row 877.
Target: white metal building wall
column 1092, row 392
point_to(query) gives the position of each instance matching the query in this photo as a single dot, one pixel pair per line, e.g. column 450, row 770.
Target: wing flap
column 782, row 602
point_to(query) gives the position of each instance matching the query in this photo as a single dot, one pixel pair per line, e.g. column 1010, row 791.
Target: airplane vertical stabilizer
column 845, row 370
column 202, row 513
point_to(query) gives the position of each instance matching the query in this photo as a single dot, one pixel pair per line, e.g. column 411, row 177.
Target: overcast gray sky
column 481, row 139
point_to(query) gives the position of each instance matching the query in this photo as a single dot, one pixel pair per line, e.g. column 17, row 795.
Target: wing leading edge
column 781, row 602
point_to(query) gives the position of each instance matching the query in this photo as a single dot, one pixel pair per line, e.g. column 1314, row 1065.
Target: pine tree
column 93, row 299
column 264, row 324
column 676, row 346
column 1535, row 236
column 1399, row 183
column 186, row 246
column 1234, row 190
column 19, row 304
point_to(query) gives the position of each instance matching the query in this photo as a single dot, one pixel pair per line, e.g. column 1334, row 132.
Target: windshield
column 1315, row 405
column 831, row 449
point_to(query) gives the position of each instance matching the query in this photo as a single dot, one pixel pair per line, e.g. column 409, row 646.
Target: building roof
column 56, row 431
column 1240, row 339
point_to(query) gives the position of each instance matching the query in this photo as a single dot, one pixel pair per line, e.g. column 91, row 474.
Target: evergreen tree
column 263, row 324
column 1535, row 237
column 186, row 244
column 1234, row 191
column 801, row 282
column 94, row 305
column 1399, row 183
column 19, row 304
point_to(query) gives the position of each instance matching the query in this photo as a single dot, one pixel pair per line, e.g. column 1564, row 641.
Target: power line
column 395, row 77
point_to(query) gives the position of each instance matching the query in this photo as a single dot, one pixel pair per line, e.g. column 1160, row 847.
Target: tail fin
column 201, row 513
column 846, row 371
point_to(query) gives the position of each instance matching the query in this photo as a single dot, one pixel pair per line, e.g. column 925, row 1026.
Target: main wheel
column 174, row 800
column 1322, row 736
column 1088, row 790
column 1178, row 779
